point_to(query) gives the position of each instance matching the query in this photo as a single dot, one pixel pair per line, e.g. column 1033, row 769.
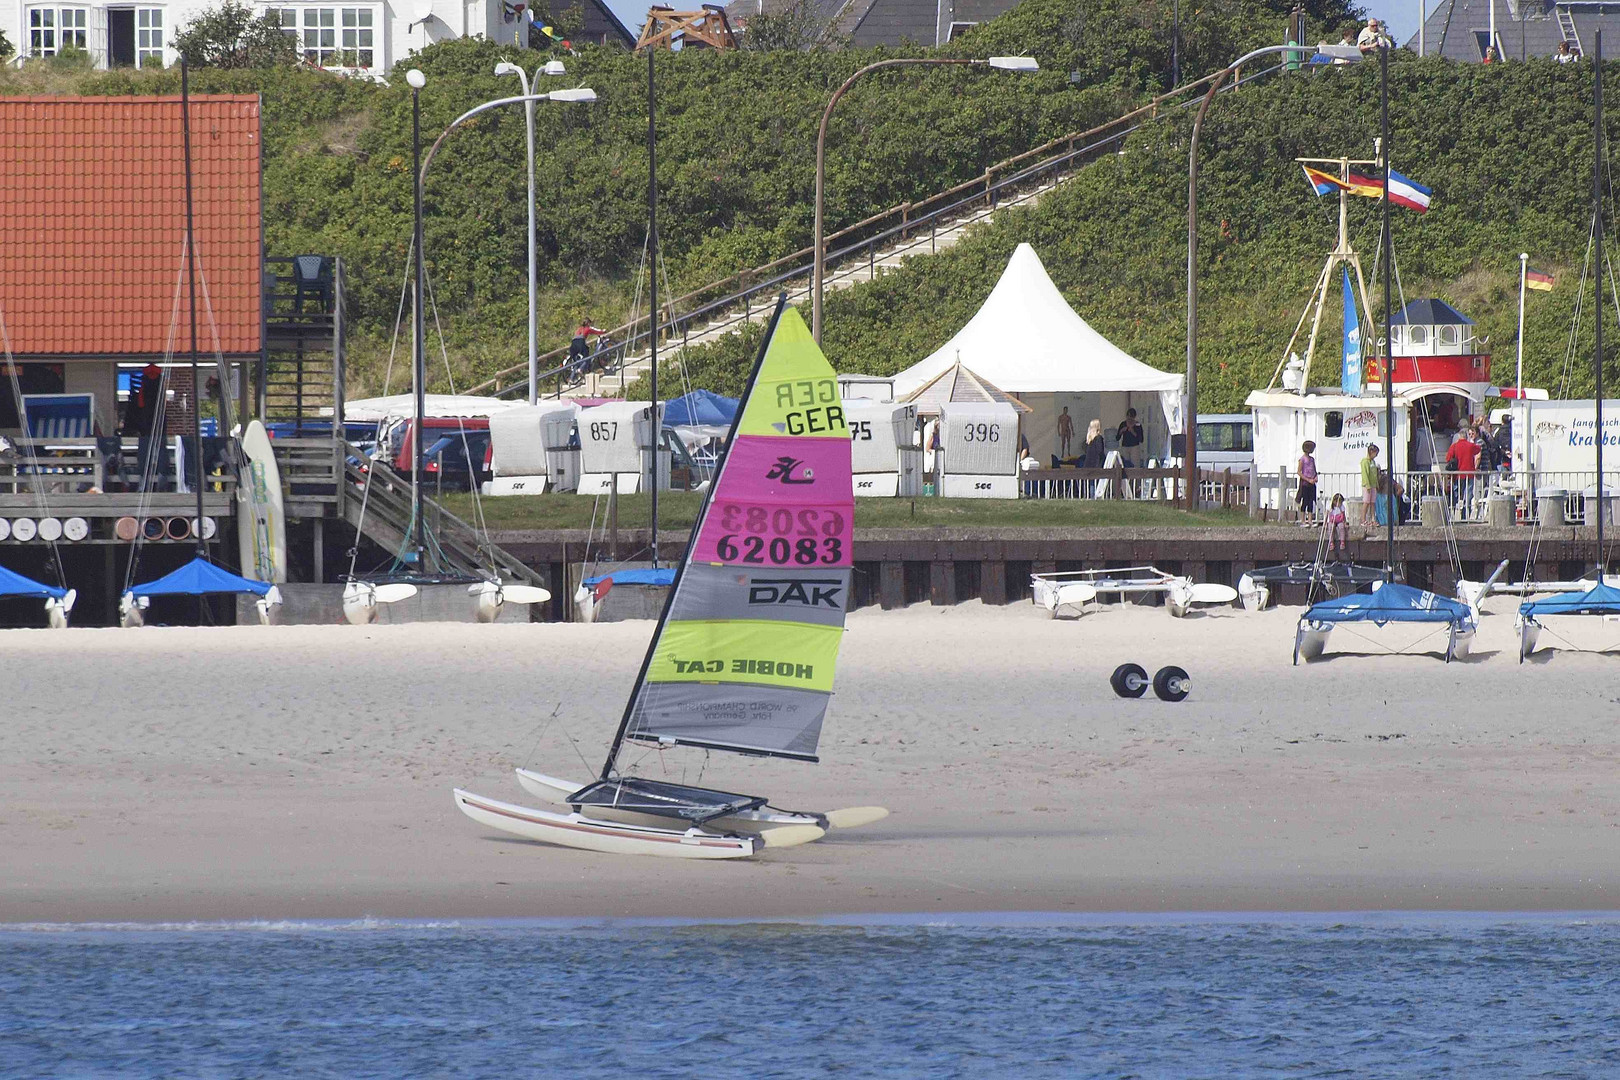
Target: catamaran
column 742, row 659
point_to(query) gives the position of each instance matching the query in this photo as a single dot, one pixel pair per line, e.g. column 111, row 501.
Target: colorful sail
column 745, row 655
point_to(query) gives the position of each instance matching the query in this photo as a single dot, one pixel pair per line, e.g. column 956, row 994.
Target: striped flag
column 1408, row 193
column 1326, row 183
column 1535, row 279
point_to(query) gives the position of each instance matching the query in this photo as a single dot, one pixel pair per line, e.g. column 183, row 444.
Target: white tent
column 1028, row 341
column 436, row 405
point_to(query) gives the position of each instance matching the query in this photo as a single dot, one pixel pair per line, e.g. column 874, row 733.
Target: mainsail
column 743, row 658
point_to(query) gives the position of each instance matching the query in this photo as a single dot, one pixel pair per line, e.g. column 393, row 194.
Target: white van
column 1226, row 441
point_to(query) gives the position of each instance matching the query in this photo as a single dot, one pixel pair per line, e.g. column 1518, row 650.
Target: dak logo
column 811, row 592
column 783, row 471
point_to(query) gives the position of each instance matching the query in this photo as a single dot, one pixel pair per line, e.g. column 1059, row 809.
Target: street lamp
column 413, row 542
column 1189, row 421
column 551, row 67
column 999, row 63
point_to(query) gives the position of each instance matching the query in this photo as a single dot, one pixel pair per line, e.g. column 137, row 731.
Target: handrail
column 744, row 285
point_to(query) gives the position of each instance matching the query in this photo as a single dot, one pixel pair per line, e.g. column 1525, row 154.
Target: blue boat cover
column 197, row 577
column 1598, row 600
column 14, row 584
column 700, row 407
column 1392, row 602
column 665, row 576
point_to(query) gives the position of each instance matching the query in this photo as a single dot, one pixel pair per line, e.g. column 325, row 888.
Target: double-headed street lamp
column 550, row 67
column 415, row 542
column 1000, row 63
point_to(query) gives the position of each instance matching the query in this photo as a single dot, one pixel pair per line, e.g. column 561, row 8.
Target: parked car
column 1226, row 441
column 458, row 461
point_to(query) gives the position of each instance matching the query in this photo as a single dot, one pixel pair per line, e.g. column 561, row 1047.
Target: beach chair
column 59, row 416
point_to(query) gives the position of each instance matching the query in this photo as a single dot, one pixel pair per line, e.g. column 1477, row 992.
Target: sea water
column 927, row 996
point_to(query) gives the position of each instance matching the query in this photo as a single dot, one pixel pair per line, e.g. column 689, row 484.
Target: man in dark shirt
column 1130, row 437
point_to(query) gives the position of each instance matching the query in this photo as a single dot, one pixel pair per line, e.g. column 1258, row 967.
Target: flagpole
column 1518, row 380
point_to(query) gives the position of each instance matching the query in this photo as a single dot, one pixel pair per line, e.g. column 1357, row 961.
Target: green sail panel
column 745, row 657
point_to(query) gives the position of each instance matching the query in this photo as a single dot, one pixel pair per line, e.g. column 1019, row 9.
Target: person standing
column 1371, row 37
column 1305, row 496
column 1369, row 487
column 1095, row 450
column 1065, row 432
column 1463, row 459
column 1129, row 437
column 1564, row 55
column 1337, row 528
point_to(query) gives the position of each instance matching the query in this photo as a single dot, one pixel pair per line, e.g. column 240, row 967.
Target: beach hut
column 1029, row 343
column 534, row 449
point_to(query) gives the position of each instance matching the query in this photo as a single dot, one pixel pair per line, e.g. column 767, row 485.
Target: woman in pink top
column 1306, row 495
column 1337, row 528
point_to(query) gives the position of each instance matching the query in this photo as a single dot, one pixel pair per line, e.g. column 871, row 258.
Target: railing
column 310, row 469
column 1145, row 484
column 1455, row 497
column 866, row 237
column 87, row 466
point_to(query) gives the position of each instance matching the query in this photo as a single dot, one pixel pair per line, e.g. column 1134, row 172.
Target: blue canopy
column 700, row 407
column 665, row 576
column 1391, row 602
column 14, row 584
column 197, row 577
column 1600, row 599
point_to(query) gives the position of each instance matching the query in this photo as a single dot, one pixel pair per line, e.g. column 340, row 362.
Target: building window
column 149, row 37
column 960, row 28
column 54, row 30
column 1446, row 335
column 1417, row 335
column 1333, row 425
column 331, row 36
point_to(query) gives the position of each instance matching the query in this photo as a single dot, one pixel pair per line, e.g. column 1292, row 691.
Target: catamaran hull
column 610, row 837
column 1310, row 640
column 757, row 822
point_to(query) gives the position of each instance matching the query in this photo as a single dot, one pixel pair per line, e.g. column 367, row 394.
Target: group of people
column 1128, row 436
column 1478, row 448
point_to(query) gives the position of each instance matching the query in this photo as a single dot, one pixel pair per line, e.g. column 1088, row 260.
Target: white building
column 359, row 37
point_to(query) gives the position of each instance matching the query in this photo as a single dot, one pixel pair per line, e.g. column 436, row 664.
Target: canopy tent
column 1028, row 342
column 199, row 577
column 14, row 584
column 1388, row 602
column 700, row 416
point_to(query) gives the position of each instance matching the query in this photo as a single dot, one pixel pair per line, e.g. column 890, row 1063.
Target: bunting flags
column 1403, row 191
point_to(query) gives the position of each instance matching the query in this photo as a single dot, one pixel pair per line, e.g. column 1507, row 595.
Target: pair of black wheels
column 1131, row 681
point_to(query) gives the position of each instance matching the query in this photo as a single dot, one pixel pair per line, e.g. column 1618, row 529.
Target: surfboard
column 261, row 524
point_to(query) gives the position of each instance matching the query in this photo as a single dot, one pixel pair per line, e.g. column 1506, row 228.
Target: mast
column 691, row 543
column 413, row 541
column 652, row 244
column 1389, row 367
column 191, row 273
column 1597, row 225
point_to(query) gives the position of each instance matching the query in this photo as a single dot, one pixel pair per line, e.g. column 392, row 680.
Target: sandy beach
column 305, row 772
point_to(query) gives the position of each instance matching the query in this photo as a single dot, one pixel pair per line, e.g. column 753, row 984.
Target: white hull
column 1310, row 640
column 758, row 822
column 614, row 838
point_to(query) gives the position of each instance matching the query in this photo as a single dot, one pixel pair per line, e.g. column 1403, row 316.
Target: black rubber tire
column 1171, row 684
column 1133, row 672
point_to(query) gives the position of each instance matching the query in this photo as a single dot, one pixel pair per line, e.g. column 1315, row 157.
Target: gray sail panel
column 776, row 593
column 763, row 719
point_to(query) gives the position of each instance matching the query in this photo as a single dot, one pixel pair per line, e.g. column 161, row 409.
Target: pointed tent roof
column 197, row 577
column 1026, row 339
column 14, row 584
column 957, row 383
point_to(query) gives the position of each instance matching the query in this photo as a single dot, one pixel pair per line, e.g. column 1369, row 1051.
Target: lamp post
column 551, row 67
column 1189, row 421
column 1000, row 63
column 413, row 540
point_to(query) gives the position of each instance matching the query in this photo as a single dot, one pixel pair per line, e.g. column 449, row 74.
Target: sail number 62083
column 780, row 536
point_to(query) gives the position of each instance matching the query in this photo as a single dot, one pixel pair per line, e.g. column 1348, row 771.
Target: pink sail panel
column 782, row 501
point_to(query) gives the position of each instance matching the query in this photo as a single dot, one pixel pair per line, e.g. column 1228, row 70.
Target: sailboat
column 743, row 656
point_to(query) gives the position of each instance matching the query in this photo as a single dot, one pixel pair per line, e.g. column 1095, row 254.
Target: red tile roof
column 92, row 223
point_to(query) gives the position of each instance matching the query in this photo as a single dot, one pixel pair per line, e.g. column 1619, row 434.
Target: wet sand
column 305, row 772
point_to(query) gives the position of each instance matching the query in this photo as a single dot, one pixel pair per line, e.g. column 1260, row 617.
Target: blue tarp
column 665, row 576
column 1391, row 602
column 14, row 584
column 1598, row 600
column 197, row 577
column 700, row 407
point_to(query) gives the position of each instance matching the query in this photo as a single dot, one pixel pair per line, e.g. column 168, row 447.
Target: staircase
column 300, row 375
column 854, row 254
column 383, row 515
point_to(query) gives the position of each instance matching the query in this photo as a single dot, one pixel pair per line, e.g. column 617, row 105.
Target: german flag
column 1535, row 279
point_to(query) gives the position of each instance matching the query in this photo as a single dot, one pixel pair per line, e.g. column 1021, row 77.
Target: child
column 1337, row 528
column 1306, row 495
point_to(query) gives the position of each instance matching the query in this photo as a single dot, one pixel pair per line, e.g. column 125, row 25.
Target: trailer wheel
column 1172, row 684
column 1129, row 680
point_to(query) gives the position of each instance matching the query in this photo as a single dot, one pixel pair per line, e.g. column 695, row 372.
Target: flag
column 1535, row 279
column 1326, row 183
column 1408, row 193
column 1351, row 377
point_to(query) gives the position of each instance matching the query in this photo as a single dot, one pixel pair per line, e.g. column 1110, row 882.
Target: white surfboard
column 261, row 521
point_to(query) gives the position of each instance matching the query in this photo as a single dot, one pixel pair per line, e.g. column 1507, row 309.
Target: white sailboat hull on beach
column 611, row 837
column 556, row 790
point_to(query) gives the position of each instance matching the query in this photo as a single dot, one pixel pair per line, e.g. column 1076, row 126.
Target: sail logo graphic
column 782, row 669
column 811, row 592
column 810, row 407
column 782, row 469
